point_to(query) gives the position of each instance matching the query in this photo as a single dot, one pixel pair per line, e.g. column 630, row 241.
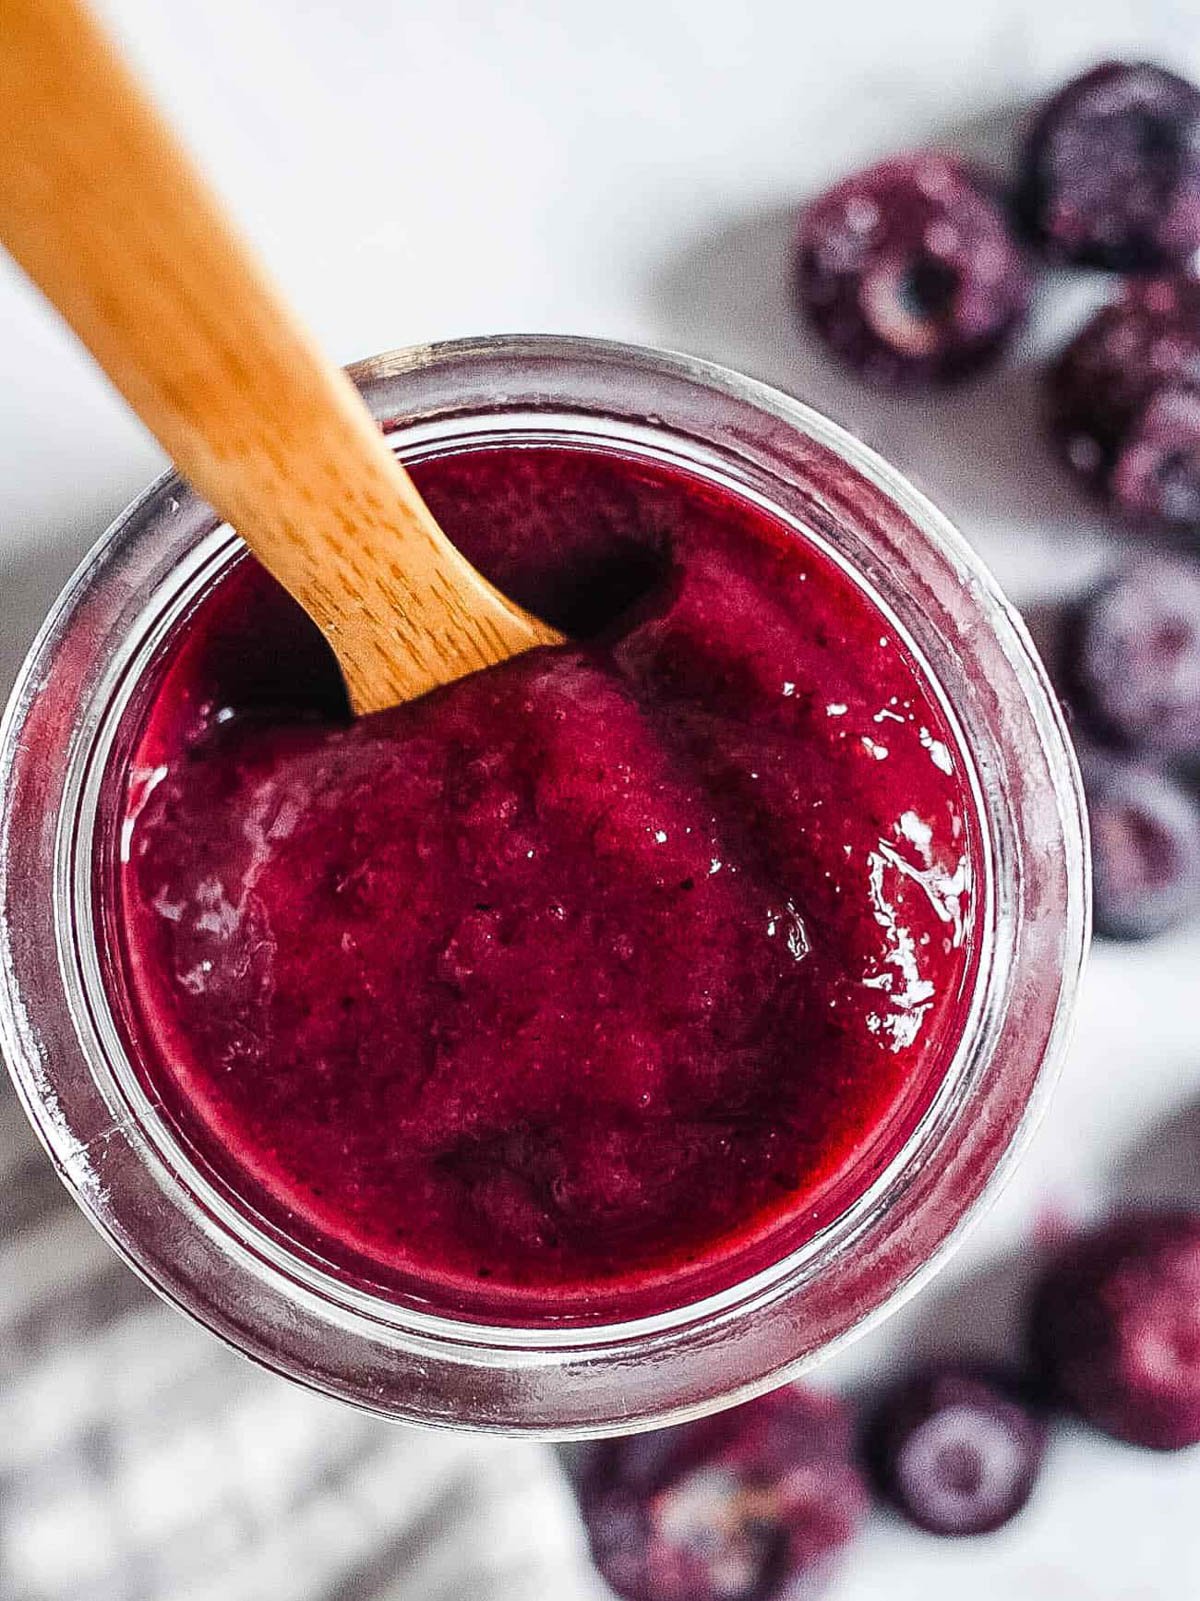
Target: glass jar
column 62, row 741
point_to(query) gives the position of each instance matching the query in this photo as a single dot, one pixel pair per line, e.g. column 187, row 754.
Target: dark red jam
column 589, row 981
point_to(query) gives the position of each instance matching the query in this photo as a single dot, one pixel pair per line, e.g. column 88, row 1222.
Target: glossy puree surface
column 582, row 975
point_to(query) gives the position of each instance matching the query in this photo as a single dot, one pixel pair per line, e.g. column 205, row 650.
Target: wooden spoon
column 108, row 215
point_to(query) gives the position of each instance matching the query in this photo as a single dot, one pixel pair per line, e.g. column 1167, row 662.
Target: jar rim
column 473, row 1375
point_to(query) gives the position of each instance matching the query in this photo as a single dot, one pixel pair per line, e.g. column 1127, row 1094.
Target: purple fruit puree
column 610, row 972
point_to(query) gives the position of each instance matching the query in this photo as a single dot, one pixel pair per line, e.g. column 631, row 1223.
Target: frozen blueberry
column 1145, row 847
column 1116, row 1328
column 752, row 1505
column 1134, row 658
column 957, row 1449
column 1111, row 170
column 909, row 272
column 1124, row 400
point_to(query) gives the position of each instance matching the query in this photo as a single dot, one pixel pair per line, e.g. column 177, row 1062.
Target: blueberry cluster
column 1129, row 666
column 918, row 272
column 758, row 1504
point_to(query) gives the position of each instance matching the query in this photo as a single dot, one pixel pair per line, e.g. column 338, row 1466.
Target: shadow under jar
column 616, row 1137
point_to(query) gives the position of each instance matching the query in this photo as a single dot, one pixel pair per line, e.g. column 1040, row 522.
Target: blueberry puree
column 596, row 973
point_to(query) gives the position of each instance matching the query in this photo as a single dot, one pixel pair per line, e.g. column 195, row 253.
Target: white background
column 422, row 168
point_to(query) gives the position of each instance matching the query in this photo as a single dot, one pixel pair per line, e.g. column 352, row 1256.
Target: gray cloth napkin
column 140, row 1460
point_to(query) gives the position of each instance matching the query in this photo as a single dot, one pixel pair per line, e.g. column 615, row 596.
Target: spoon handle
column 109, row 216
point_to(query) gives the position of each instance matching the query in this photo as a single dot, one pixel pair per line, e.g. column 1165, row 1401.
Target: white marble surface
column 443, row 167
